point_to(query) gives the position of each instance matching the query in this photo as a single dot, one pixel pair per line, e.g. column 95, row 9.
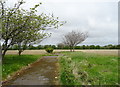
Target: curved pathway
column 44, row 72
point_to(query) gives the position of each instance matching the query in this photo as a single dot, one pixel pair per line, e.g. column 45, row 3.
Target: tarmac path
column 44, row 72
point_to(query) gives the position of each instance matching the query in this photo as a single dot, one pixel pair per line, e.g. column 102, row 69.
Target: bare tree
column 74, row 38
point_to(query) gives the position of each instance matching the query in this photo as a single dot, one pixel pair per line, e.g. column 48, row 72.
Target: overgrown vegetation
column 12, row 63
column 66, row 76
column 49, row 49
column 78, row 68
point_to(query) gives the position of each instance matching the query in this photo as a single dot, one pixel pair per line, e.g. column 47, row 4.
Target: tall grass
column 78, row 68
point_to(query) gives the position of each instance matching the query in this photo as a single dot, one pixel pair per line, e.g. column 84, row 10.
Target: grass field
column 83, row 67
column 12, row 63
column 80, row 68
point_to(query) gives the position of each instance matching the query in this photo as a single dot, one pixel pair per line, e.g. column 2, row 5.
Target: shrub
column 49, row 49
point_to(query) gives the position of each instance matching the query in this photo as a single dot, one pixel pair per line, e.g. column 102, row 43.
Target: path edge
column 20, row 72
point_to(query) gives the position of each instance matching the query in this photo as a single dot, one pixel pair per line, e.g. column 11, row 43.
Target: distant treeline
column 31, row 47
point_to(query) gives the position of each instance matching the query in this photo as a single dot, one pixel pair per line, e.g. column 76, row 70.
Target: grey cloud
column 98, row 17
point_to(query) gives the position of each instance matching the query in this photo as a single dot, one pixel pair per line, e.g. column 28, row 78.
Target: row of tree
column 24, row 27
column 61, row 46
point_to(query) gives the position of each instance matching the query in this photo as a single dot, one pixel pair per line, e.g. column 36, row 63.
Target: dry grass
column 37, row 52
column 32, row 52
column 103, row 52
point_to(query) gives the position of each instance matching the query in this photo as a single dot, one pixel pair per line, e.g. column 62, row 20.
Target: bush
column 49, row 49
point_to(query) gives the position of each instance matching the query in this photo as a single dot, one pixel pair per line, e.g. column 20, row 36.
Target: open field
column 37, row 52
column 103, row 52
column 83, row 67
column 79, row 68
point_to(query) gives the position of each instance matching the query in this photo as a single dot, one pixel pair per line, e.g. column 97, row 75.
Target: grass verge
column 78, row 68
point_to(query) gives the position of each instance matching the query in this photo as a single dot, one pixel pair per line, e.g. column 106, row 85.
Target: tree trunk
column 73, row 49
column 70, row 49
column 20, row 51
column 3, row 54
column 0, row 54
column 5, row 48
column 19, row 48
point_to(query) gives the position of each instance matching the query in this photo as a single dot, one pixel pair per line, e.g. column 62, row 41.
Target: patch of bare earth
column 30, row 52
column 38, row 52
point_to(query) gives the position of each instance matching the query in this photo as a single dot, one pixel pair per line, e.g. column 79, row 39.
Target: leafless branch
column 74, row 38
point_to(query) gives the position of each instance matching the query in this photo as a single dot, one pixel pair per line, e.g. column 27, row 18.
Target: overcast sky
column 98, row 17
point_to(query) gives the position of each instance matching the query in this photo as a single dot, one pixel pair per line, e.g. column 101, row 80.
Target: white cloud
column 98, row 17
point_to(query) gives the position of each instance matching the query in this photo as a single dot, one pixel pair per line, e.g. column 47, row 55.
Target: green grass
column 78, row 68
column 0, row 70
column 12, row 63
